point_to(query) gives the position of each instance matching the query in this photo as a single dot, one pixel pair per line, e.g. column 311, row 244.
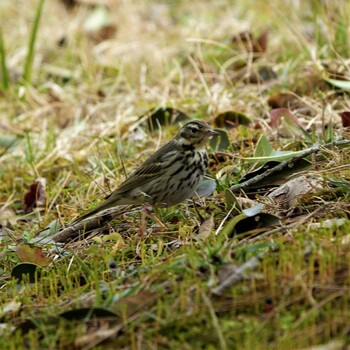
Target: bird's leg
column 142, row 229
column 147, row 212
column 201, row 219
column 154, row 217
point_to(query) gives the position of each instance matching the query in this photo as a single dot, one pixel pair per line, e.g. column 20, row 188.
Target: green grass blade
column 3, row 66
column 27, row 74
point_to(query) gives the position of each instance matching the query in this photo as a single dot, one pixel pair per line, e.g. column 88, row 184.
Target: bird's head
column 195, row 133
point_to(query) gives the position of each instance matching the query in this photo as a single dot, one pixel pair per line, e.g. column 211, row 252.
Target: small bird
column 167, row 177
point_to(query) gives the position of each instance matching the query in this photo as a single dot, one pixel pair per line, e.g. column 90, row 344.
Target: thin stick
column 285, row 164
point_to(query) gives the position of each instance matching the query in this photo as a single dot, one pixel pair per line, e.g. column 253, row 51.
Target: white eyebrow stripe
column 193, row 126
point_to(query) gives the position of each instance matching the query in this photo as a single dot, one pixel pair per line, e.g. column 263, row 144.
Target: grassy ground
column 70, row 114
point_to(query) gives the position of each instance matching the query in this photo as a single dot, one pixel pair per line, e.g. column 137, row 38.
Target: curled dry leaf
column 99, row 25
column 10, row 308
column 163, row 116
column 278, row 113
column 345, row 118
column 36, row 196
column 285, row 100
column 231, row 275
column 250, row 43
column 285, row 122
column 7, row 216
column 287, row 195
column 205, row 228
column 34, row 255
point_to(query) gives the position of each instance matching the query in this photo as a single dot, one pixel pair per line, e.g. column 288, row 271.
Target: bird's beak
column 212, row 132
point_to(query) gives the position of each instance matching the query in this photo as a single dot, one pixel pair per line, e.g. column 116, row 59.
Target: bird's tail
column 105, row 205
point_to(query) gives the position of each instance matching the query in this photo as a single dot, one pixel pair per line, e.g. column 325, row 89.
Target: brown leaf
column 250, row 43
column 231, row 274
column 69, row 3
column 287, row 195
column 133, row 303
column 283, row 100
column 34, row 255
column 277, row 114
column 345, row 118
column 205, row 228
column 36, row 196
column 260, row 44
column 105, row 33
column 244, row 38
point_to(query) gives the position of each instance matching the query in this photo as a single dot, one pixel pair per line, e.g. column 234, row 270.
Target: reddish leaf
column 34, row 255
column 260, row 44
column 345, row 118
column 105, row 33
column 242, row 38
column 278, row 113
column 251, row 44
column 36, row 196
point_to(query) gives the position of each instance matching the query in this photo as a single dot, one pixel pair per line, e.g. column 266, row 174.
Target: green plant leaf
column 263, row 147
column 276, row 156
column 220, row 142
column 340, row 84
column 27, row 73
column 3, row 66
column 231, row 119
column 231, row 201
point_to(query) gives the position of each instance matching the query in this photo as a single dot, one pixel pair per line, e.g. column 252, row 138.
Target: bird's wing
column 143, row 175
column 153, row 167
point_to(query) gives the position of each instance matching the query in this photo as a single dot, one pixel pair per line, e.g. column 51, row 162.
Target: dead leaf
column 230, row 275
column 286, row 122
column 284, row 100
column 260, row 44
column 7, row 216
column 277, row 114
column 133, row 303
column 105, row 33
column 205, row 229
column 69, row 3
column 98, row 25
column 10, row 308
column 345, row 118
column 36, row 196
column 92, row 339
column 288, row 194
column 34, row 255
column 250, row 43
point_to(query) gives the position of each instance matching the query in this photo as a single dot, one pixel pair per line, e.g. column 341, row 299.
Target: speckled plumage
column 167, row 177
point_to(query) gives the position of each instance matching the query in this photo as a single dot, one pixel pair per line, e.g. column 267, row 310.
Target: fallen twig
column 89, row 224
column 285, row 164
column 237, row 274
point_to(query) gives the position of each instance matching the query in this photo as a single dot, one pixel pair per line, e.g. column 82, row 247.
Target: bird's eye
column 193, row 130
